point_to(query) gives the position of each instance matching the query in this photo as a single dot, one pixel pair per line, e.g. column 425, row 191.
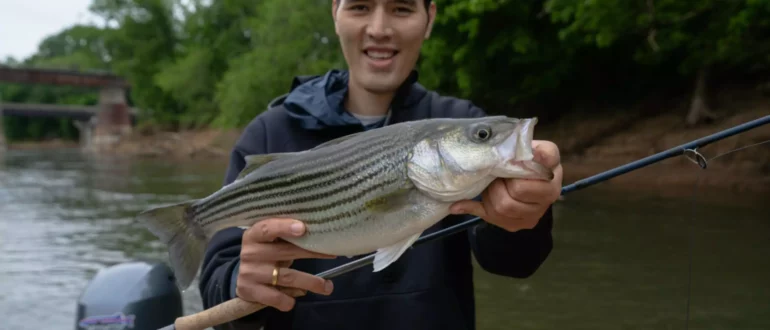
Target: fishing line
column 696, row 157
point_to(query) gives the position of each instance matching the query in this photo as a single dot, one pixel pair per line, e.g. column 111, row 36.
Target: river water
column 620, row 261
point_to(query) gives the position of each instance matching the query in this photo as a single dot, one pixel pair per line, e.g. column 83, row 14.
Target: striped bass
column 376, row 190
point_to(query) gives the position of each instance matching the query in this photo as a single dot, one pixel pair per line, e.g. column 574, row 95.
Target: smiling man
column 430, row 287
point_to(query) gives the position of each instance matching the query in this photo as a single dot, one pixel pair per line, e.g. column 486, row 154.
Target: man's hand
column 515, row 204
column 262, row 252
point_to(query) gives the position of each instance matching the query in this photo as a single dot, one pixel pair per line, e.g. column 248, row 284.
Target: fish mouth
column 517, row 156
column 528, row 169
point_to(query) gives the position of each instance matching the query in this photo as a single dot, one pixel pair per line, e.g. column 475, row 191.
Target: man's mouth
column 380, row 54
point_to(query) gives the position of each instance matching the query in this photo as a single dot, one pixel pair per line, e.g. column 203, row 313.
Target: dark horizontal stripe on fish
column 315, row 209
column 313, row 165
column 306, row 183
column 299, row 171
column 315, row 227
column 297, row 180
column 320, row 189
column 372, row 162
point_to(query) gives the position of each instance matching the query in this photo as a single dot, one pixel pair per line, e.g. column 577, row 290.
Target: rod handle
column 227, row 311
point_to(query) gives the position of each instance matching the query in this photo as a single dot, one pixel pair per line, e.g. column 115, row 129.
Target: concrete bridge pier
column 111, row 123
column 86, row 129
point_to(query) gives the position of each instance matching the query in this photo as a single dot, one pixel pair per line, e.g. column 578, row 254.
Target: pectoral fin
column 387, row 255
column 389, row 202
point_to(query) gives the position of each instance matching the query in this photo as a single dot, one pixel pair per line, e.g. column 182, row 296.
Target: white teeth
column 380, row 55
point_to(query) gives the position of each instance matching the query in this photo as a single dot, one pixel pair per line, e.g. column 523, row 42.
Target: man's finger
column 471, row 207
column 292, row 278
column 528, row 191
column 269, row 229
column 546, row 153
column 280, row 251
column 265, row 294
column 498, row 200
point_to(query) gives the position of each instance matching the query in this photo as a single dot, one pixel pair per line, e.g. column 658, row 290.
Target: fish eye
column 483, row 133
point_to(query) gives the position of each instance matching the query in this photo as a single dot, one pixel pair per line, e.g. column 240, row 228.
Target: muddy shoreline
column 588, row 145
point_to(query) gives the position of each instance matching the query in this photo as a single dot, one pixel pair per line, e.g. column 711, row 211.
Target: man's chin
column 380, row 83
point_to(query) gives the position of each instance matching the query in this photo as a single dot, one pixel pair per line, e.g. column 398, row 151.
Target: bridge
column 99, row 125
column 77, row 112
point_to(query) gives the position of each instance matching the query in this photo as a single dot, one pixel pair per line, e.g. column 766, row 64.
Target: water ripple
column 62, row 219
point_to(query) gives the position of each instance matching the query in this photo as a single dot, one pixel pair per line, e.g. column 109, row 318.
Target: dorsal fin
column 337, row 140
column 253, row 162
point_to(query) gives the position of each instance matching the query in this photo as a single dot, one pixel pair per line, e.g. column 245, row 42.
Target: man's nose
column 380, row 25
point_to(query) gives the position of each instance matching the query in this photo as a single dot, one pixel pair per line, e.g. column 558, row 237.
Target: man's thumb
column 469, row 207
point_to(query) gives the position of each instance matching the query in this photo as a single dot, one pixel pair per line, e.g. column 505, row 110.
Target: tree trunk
column 699, row 109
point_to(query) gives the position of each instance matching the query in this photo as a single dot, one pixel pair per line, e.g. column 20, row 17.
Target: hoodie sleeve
column 514, row 254
column 222, row 257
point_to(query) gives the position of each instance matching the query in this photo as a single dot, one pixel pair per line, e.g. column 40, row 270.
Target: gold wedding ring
column 275, row 276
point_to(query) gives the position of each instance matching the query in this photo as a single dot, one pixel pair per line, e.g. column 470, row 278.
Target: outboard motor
column 135, row 295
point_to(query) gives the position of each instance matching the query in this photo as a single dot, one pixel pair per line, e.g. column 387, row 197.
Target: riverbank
column 48, row 144
column 589, row 144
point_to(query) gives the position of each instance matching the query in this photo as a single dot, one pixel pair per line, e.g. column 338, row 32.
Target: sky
column 25, row 23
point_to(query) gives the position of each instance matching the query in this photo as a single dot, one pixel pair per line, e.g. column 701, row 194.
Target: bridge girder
column 61, row 77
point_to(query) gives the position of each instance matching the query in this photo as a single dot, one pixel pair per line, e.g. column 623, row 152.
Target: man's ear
column 335, row 5
column 431, row 18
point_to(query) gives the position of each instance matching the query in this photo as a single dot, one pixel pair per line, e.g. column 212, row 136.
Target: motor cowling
column 135, row 295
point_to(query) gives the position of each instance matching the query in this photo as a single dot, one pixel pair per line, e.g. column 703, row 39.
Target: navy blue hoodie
column 429, row 287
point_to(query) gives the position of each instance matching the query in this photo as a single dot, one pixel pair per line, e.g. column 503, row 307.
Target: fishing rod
column 237, row 308
column 686, row 149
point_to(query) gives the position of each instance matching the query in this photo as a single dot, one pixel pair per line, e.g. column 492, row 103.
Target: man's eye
column 357, row 7
column 404, row 9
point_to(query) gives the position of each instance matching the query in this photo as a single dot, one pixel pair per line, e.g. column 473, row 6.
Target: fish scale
column 310, row 204
column 303, row 175
column 376, row 190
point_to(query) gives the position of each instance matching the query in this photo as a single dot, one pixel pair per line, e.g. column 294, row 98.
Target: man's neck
column 362, row 102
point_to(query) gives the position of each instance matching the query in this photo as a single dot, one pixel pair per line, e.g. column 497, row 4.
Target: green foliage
column 219, row 62
column 477, row 47
column 697, row 34
column 287, row 40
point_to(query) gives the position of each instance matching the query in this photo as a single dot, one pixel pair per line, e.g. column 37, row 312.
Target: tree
column 700, row 35
column 286, row 40
column 142, row 40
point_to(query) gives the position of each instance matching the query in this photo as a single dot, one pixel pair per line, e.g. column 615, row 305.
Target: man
column 429, row 287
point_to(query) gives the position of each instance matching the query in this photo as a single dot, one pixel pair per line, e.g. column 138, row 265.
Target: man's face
column 381, row 39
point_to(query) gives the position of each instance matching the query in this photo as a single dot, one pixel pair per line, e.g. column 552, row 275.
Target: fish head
column 458, row 158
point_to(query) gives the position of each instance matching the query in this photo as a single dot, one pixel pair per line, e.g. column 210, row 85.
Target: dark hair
column 427, row 4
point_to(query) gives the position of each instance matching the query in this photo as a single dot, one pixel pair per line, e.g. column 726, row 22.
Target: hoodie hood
column 317, row 102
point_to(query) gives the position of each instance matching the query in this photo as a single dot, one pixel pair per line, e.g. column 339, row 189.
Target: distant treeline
column 200, row 63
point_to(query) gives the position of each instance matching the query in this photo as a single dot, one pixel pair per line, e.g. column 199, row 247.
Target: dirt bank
column 589, row 145
column 206, row 143
column 48, row 144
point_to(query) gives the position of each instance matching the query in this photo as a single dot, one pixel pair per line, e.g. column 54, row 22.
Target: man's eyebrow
column 406, row 2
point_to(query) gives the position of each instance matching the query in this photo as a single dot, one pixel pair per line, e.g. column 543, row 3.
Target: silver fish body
column 372, row 191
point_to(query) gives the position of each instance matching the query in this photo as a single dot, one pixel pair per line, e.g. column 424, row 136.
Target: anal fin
column 388, row 255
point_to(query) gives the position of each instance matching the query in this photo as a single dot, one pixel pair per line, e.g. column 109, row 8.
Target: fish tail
column 186, row 241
